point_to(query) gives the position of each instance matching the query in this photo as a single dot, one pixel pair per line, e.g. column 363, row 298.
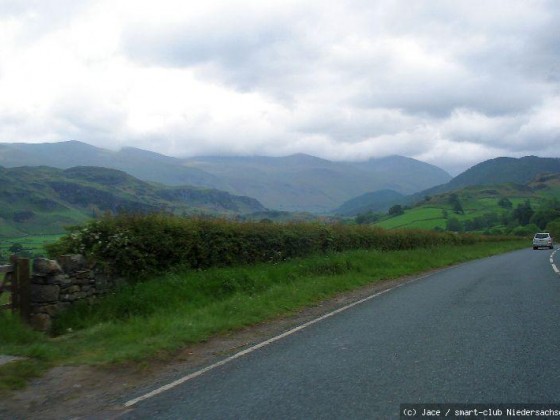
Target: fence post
column 23, row 280
column 14, row 298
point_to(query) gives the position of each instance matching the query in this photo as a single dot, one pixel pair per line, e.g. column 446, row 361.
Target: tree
column 505, row 203
column 366, row 218
column 523, row 213
column 16, row 248
column 526, row 230
column 396, row 210
column 554, row 229
column 456, row 204
column 454, row 225
column 547, row 212
column 543, row 217
column 458, row 208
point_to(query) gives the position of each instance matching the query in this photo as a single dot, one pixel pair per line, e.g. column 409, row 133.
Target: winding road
column 481, row 332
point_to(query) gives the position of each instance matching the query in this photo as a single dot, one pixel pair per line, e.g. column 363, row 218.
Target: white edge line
column 260, row 345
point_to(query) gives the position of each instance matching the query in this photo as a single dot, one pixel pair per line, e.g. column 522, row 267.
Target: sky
column 451, row 83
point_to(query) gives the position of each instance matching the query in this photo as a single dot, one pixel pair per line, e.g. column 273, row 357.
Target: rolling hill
column 480, row 203
column 42, row 199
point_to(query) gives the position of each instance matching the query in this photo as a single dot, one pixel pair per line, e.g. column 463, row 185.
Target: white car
column 542, row 240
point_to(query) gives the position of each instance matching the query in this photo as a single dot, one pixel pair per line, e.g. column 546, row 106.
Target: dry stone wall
column 58, row 284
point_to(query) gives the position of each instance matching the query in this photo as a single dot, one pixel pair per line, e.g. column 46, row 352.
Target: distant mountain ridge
column 294, row 183
column 43, row 199
column 306, row 183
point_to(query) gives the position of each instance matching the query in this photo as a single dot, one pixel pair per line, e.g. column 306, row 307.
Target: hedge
column 130, row 245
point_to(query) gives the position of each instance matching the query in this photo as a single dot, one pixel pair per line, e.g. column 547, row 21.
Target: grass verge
column 157, row 317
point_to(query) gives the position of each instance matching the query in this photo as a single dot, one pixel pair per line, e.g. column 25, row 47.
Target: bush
column 396, row 210
column 132, row 245
column 528, row 230
column 554, row 229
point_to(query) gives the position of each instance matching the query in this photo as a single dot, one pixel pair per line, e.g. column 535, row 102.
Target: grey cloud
column 440, row 98
column 347, row 125
column 351, row 78
column 184, row 46
column 241, row 52
column 283, row 57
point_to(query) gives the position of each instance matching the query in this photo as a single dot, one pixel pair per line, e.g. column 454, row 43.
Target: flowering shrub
column 132, row 245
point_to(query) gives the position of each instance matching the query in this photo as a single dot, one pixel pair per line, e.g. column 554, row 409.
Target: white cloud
column 447, row 82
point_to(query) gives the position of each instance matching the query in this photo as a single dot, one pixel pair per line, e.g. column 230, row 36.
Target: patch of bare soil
column 73, row 392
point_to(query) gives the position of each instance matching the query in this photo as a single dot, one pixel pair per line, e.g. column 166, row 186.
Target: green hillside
column 479, row 208
column 43, row 200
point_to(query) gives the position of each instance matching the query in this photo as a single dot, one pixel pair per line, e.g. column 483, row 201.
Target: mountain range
column 292, row 183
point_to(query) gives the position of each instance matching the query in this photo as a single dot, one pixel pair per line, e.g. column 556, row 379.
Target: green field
column 33, row 245
column 427, row 217
column 416, row 218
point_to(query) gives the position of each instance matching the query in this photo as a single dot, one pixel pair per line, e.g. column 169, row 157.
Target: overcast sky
column 448, row 82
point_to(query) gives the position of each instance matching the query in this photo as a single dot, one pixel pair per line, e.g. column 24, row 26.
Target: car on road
column 542, row 240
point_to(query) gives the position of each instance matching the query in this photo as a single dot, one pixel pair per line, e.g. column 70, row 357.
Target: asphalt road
column 482, row 332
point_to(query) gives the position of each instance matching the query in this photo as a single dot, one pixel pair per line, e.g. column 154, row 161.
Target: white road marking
column 260, row 345
column 552, row 262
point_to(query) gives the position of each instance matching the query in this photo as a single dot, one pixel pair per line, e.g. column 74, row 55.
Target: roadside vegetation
column 220, row 283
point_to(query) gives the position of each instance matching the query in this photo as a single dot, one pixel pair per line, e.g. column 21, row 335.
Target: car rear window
column 541, row 235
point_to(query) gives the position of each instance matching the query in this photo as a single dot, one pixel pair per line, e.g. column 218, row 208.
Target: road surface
column 482, row 332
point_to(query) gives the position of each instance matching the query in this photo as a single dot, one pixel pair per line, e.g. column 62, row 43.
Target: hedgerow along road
column 481, row 332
